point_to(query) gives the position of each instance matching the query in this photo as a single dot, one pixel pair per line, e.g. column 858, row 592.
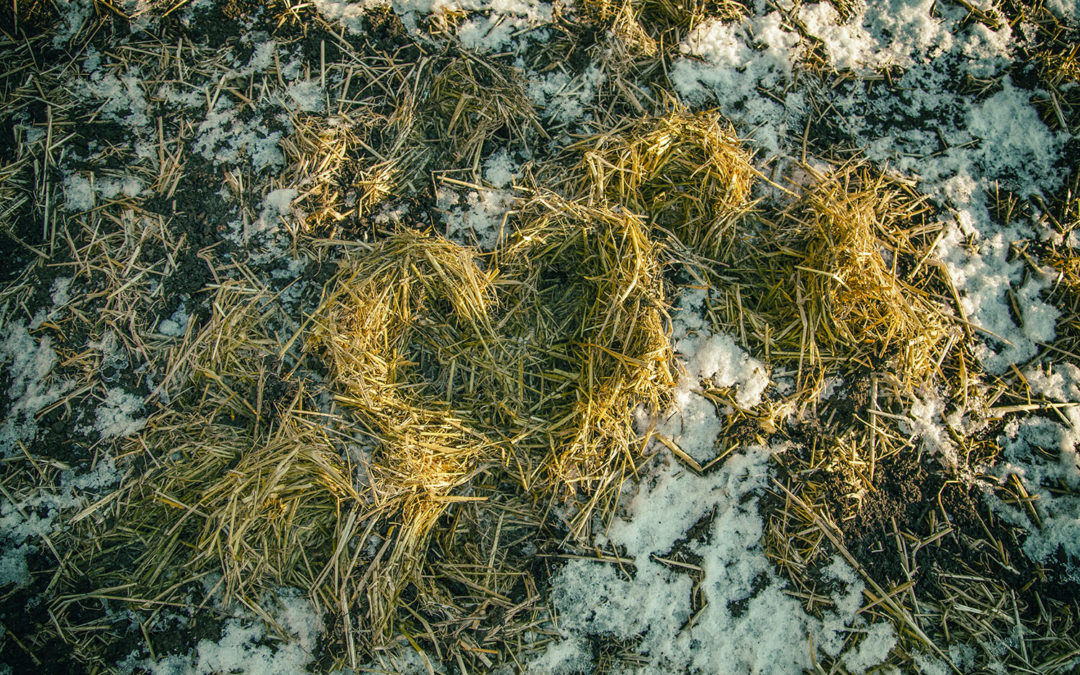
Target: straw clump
column 444, row 109
column 685, row 172
column 387, row 332
column 814, row 289
column 859, row 298
column 318, row 153
column 262, row 512
column 394, row 314
column 647, row 28
column 469, row 100
column 234, row 479
column 537, row 367
column 588, row 309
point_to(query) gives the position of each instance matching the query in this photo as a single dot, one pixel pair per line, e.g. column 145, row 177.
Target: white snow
column 693, row 423
column 732, row 61
column 1015, row 143
column 277, row 204
column 717, row 359
column 749, row 623
column 985, row 278
column 348, row 14
column 848, row 45
column 1043, row 452
column 479, row 221
column 247, row 647
column 29, row 363
column 873, row 649
column 176, row 324
column 224, row 138
column 565, row 99
column 120, row 94
column 925, row 421
column 117, row 415
column 78, row 193
column 500, row 169
column 307, row 95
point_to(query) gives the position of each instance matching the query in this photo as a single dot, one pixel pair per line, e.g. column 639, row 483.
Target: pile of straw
column 389, row 332
column 589, row 304
column 264, row 513
column 536, row 368
column 685, row 172
column 648, row 28
column 467, row 101
column 812, row 288
column 236, row 479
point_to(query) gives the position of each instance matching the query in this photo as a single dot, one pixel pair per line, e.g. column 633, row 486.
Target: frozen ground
column 680, row 579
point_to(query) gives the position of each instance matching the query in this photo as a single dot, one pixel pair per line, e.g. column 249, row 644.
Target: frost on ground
column 28, row 363
column 247, row 646
column 1043, row 453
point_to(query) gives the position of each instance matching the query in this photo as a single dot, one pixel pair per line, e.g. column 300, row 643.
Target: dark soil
column 907, row 490
column 25, row 616
column 27, row 19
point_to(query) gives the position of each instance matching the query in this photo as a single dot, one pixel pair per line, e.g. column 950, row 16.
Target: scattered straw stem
column 262, row 512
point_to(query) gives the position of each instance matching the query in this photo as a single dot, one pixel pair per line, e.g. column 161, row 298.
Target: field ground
column 669, row 335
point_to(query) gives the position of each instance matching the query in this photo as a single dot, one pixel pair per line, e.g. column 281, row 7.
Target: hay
column 812, row 288
column 669, row 22
column 234, row 480
column 627, row 38
column 648, row 28
column 1059, row 68
column 1063, row 260
column 851, row 293
column 394, row 314
column 587, row 311
column 538, row 368
column 686, row 172
column 264, row 513
column 317, row 153
column 469, row 100
column 444, row 109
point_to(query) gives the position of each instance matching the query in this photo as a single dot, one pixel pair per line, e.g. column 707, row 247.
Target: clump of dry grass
column 538, row 367
column 385, row 330
column 1059, row 68
column 316, row 153
column 1064, row 260
column 853, row 295
column 686, row 172
column 628, row 38
column 1059, row 71
column 587, row 315
column 262, row 512
column 828, row 281
column 234, row 478
column 646, row 28
column 670, row 21
column 468, row 100
column 444, row 110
